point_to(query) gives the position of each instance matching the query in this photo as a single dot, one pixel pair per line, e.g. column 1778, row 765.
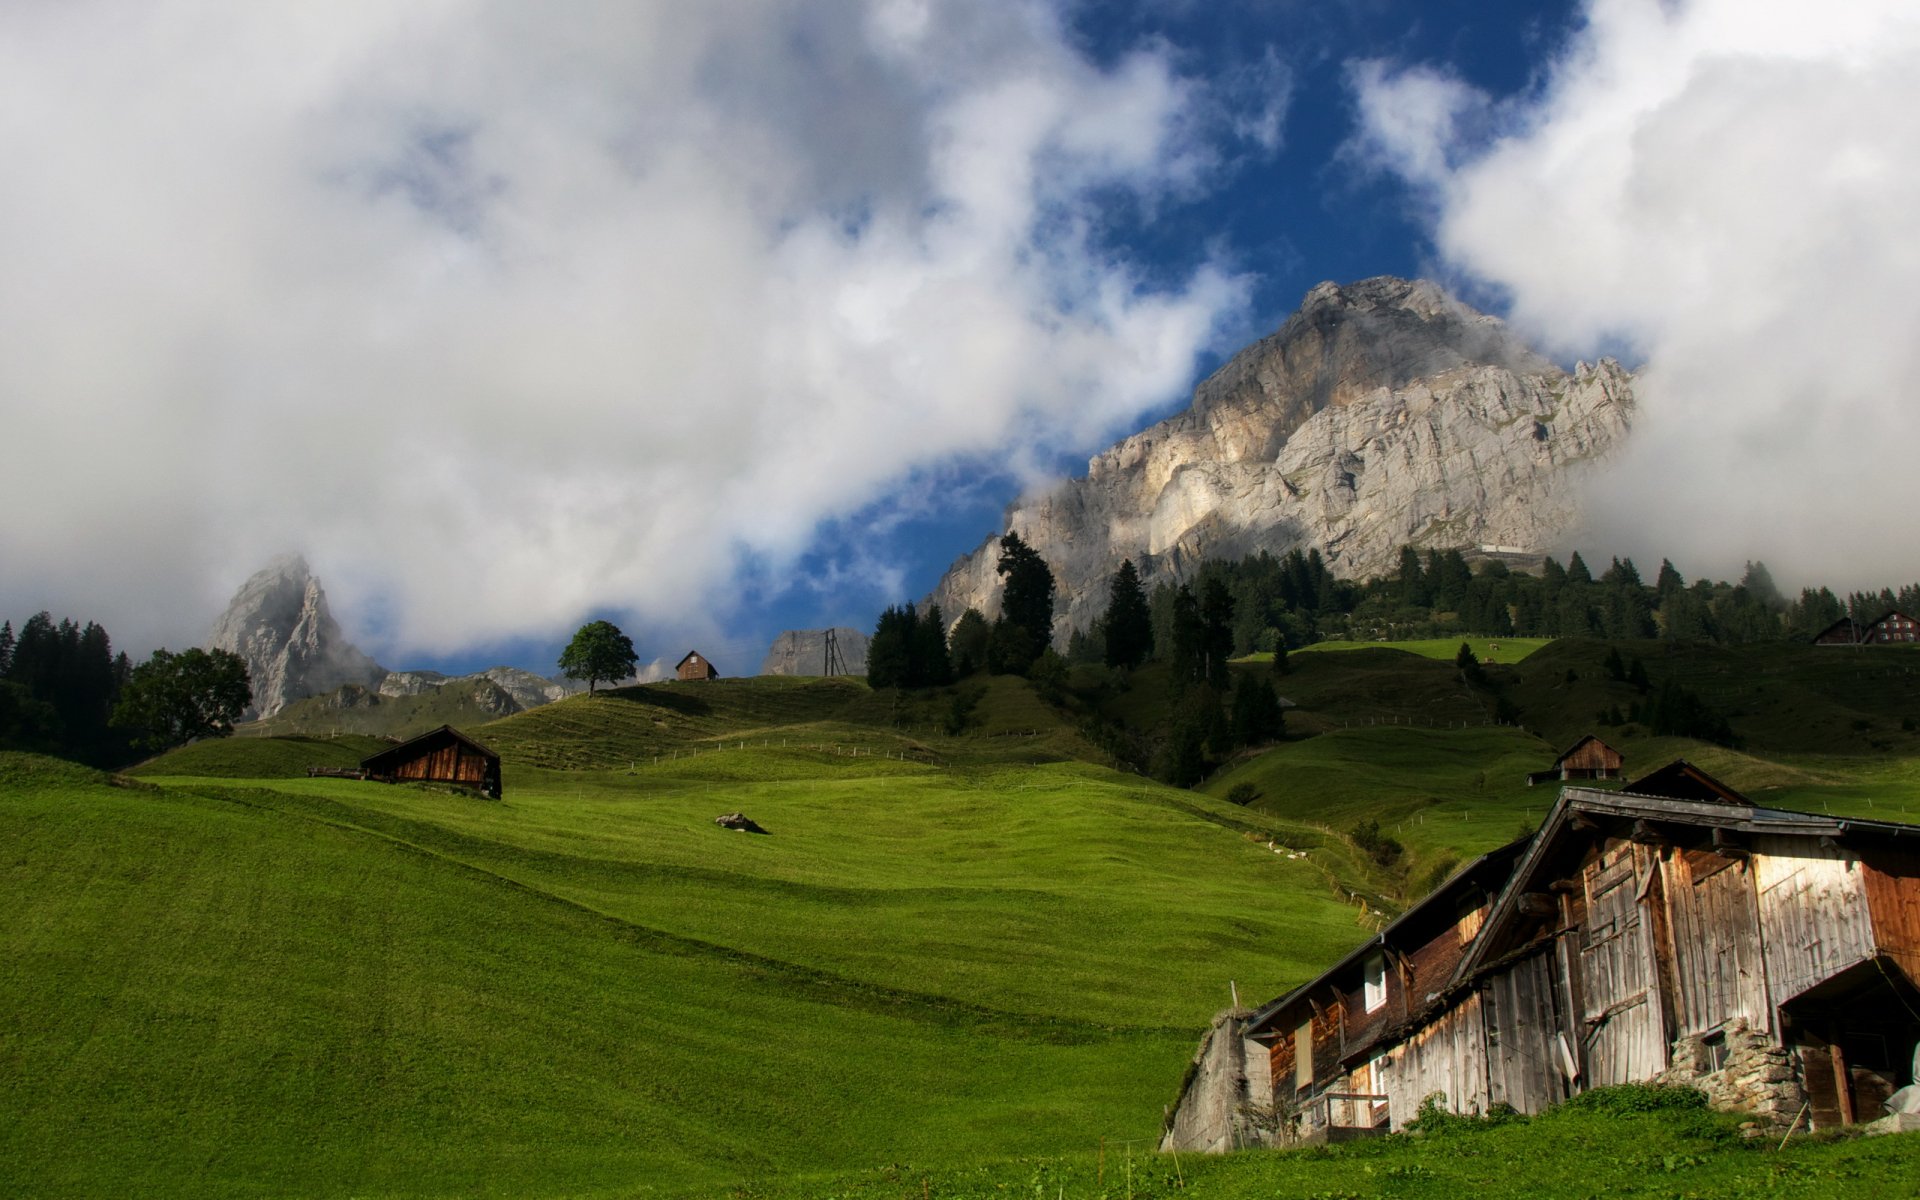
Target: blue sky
column 727, row 319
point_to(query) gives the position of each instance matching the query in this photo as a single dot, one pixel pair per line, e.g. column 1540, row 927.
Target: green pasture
column 218, row 986
column 1486, row 649
column 1599, row 1149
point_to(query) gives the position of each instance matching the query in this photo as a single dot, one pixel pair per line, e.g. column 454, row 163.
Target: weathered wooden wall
column 1448, row 1055
column 1520, row 1010
column 453, row 763
column 1625, row 1032
column 1814, row 917
column 1719, row 972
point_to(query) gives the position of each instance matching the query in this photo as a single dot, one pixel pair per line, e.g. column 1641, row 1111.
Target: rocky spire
column 279, row 623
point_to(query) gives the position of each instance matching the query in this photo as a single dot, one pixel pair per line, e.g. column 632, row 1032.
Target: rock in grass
column 739, row 821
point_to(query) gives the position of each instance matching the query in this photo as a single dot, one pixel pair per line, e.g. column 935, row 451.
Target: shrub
column 1637, row 1098
column 1382, row 849
column 1243, row 794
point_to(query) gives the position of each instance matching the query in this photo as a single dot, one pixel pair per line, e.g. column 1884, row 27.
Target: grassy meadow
column 969, row 953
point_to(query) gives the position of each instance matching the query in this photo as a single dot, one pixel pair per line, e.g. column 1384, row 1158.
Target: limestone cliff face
column 803, row 652
column 1381, row 414
column 279, row 623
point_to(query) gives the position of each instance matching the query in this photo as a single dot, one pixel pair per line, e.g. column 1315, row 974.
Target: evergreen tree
column 1758, row 582
column 1186, row 645
column 932, row 667
column 1668, row 582
column 1577, row 572
column 1028, row 599
column 1011, row 649
column 1411, row 581
column 890, row 651
column 969, row 643
column 1257, row 715
column 1128, row 621
column 6, row 648
column 1216, row 639
column 1280, row 664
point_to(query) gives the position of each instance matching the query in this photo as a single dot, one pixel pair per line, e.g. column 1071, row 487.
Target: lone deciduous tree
column 598, row 652
column 172, row 699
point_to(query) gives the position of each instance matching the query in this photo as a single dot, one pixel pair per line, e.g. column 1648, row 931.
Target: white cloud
column 503, row 314
column 1731, row 189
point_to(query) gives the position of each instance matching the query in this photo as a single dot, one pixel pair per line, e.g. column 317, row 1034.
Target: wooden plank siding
column 447, row 764
column 1814, row 919
column 1892, row 881
column 1520, row 1010
column 1447, row 1055
column 1719, row 971
column 1623, row 1027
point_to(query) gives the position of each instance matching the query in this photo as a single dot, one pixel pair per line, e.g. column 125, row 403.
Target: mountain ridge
column 1380, row 414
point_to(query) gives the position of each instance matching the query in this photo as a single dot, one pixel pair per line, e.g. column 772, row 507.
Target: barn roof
column 1676, row 794
column 406, row 749
column 1485, row 873
column 1574, row 749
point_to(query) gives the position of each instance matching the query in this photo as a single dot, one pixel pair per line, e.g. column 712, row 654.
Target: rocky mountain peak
column 279, row 623
column 1381, row 413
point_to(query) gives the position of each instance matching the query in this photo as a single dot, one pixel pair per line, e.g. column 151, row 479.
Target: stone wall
column 1226, row 1098
column 1755, row 1076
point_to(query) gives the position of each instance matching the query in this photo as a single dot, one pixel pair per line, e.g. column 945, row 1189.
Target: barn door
column 1620, row 1006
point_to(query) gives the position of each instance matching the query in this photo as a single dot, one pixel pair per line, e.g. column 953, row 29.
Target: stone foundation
column 1755, row 1077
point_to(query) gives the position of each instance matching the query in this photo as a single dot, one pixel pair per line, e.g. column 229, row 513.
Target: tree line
column 64, row 691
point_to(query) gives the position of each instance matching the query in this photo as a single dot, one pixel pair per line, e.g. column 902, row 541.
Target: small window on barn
column 1375, row 989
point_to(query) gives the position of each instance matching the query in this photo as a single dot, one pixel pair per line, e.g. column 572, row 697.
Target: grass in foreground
column 1602, row 1147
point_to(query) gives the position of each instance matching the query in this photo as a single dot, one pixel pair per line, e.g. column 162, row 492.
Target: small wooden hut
column 1894, row 629
column 443, row 756
column 695, row 667
column 1588, row 758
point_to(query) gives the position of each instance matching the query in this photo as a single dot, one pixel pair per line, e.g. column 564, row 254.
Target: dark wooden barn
column 443, row 756
column 1588, row 758
column 695, row 667
column 1671, row 930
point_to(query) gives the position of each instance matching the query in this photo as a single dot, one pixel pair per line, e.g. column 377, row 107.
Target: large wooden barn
column 443, row 756
column 1670, row 930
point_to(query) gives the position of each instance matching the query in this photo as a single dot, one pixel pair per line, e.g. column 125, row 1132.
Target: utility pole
column 834, row 665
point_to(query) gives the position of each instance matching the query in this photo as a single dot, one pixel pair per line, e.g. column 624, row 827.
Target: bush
column 1435, row 1119
column 1637, row 1098
column 1383, row 850
column 1242, row 794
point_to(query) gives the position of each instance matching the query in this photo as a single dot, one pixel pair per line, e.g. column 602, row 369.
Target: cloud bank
column 1730, row 189
column 504, row 313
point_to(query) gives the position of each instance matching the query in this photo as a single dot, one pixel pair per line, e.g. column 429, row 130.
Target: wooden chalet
column 695, row 667
column 1670, row 930
column 1894, row 629
column 443, row 756
column 1588, row 758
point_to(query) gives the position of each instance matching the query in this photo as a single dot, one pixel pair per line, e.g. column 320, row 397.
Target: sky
column 722, row 319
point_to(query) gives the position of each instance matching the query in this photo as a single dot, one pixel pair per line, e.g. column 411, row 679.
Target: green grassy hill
column 968, row 943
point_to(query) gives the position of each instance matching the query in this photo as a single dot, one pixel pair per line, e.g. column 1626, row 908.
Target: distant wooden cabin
column 1588, row 758
column 693, row 666
column 1671, row 929
column 1894, row 629
column 443, row 756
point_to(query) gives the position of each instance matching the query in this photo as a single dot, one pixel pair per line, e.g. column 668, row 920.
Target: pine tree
column 1028, row 598
column 968, row 643
column 1128, row 621
column 1186, row 643
column 1257, row 716
column 6, row 648
column 933, row 667
column 890, row 650
column 1216, row 641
